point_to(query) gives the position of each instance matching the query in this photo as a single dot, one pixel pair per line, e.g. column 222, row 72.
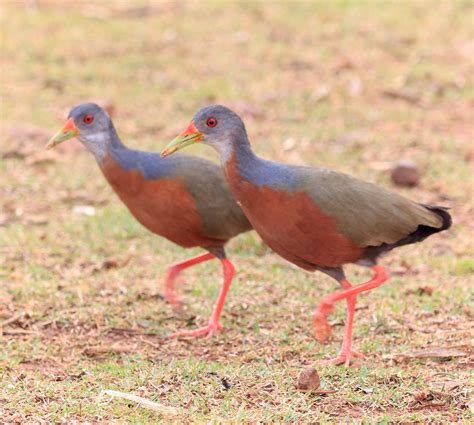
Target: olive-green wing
column 366, row 214
column 222, row 216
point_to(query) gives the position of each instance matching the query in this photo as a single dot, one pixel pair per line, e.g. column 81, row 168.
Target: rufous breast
column 164, row 206
column 291, row 223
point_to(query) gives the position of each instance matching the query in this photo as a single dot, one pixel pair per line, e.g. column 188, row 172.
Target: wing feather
column 366, row 214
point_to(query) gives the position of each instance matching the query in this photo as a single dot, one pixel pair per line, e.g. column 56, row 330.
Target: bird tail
column 424, row 231
column 443, row 213
column 420, row 234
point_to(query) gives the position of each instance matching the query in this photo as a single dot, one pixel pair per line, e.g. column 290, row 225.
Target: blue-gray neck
column 149, row 164
column 243, row 152
column 115, row 142
column 102, row 142
column 232, row 144
column 261, row 172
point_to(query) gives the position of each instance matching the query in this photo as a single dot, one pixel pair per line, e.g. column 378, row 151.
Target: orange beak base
column 187, row 137
column 68, row 132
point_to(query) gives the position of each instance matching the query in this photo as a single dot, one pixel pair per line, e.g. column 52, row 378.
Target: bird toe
column 172, row 298
column 344, row 358
column 207, row 331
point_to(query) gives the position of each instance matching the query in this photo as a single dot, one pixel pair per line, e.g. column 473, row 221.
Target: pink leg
column 213, row 324
column 175, row 270
column 322, row 328
column 346, row 353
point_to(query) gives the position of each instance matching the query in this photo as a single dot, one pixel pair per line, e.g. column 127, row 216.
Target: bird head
column 214, row 125
column 89, row 123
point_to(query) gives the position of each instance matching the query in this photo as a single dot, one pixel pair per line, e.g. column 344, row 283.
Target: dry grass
column 349, row 85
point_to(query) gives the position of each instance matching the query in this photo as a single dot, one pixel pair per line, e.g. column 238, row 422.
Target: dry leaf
column 42, row 158
column 400, row 95
column 426, row 290
column 4, row 219
column 81, row 198
column 165, row 410
column 421, row 290
column 110, row 263
column 424, row 399
column 447, row 385
column 320, row 94
column 432, row 353
column 35, row 219
column 88, row 210
column 106, row 349
column 470, row 403
column 14, row 154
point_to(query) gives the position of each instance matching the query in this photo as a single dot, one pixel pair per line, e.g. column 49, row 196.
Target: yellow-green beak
column 68, row 132
column 187, row 137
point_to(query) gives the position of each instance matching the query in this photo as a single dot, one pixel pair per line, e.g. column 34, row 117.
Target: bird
column 184, row 199
column 316, row 218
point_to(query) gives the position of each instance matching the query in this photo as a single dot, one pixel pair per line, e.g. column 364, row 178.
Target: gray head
column 91, row 125
column 213, row 125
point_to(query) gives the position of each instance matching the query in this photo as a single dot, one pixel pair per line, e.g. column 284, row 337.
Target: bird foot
column 206, row 331
column 322, row 329
column 174, row 300
column 345, row 357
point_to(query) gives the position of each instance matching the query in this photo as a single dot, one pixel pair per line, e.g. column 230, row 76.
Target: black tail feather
column 420, row 234
column 443, row 213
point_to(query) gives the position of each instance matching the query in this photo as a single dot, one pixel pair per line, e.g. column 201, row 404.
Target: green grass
column 315, row 72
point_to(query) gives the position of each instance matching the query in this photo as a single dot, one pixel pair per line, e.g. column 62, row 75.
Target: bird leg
column 346, row 352
column 173, row 272
column 213, row 325
column 321, row 325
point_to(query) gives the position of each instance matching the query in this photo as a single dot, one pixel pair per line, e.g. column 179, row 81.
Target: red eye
column 211, row 122
column 88, row 118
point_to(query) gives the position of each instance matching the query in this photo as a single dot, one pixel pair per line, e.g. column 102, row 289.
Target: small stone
column 308, row 380
column 405, row 173
column 425, row 290
column 110, row 263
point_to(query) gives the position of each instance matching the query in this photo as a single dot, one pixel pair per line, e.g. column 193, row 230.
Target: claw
column 173, row 299
column 344, row 358
column 206, row 331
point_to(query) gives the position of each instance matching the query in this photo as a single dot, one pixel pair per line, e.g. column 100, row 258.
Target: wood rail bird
column 186, row 199
column 315, row 218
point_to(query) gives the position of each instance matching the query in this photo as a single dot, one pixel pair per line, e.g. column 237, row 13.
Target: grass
column 311, row 81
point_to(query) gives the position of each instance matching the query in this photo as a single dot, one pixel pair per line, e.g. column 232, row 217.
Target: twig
column 12, row 319
column 407, row 97
column 17, row 332
column 150, row 343
column 165, row 410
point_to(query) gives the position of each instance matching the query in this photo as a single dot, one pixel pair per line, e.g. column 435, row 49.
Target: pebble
column 308, row 380
column 405, row 173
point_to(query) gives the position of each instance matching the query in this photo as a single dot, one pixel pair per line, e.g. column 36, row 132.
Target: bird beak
column 187, row 137
column 68, row 132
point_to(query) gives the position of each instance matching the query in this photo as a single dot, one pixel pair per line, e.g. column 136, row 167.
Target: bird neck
column 115, row 142
column 102, row 143
column 239, row 160
column 239, row 150
column 246, row 167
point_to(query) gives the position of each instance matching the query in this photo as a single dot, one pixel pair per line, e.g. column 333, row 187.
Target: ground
column 353, row 86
